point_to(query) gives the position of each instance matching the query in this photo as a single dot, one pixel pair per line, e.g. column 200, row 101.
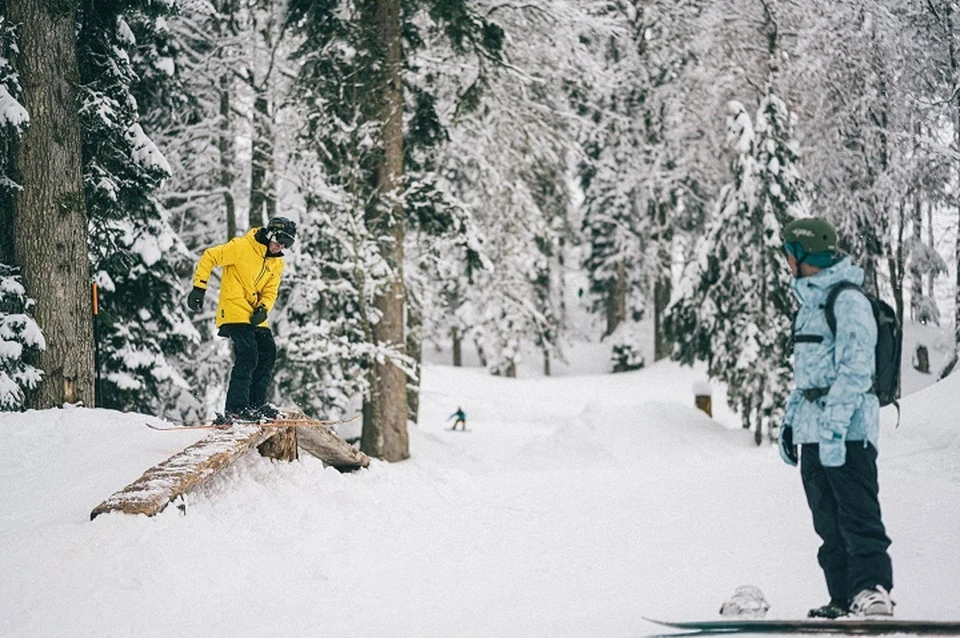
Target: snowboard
column 856, row 626
column 291, row 422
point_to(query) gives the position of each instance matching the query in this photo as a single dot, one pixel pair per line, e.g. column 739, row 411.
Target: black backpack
column 886, row 378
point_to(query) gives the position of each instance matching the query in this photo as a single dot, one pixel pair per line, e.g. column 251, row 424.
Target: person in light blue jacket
column 832, row 423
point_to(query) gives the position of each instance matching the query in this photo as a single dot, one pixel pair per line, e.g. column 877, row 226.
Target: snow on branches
column 20, row 341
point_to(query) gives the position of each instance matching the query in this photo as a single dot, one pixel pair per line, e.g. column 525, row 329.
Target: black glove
column 788, row 451
column 195, row 299
column 259, row 315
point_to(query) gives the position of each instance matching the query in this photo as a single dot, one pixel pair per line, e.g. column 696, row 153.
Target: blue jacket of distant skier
column 844, row 364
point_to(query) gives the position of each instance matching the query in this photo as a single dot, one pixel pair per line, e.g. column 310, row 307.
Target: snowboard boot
column 243, row 415
column 832, row 610
column 268, row 411
column 872, row 603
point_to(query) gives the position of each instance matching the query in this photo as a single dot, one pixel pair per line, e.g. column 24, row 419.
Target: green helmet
column 812, row 240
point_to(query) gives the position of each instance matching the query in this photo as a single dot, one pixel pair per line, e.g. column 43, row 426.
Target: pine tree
column 20, row 342
column 13, row 121
column 644, row 152
column 360, row 200
column 509, row 162
column 734, row 310
column 136, row 255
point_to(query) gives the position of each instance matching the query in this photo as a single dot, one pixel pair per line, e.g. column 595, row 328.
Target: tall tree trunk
column 955, row 77
column 50, row 233
column 617, row 302
column 896, row 264
column 225, row 145
column 385, row 419
column 224, row 28
column 263, row 200
column 916, row 221
column 662, row 348
column 457, row 347
column 662, row 287
column 415, row 350
column 931, row 274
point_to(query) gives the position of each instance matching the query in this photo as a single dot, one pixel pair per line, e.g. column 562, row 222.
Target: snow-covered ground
column 572, row 506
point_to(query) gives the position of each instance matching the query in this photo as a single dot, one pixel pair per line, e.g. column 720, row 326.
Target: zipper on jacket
column 263, row 269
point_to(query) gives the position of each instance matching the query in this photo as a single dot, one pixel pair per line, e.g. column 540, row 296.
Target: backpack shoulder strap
column 832, row 299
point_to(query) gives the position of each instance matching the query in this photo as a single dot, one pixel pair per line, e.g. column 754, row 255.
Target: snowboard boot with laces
column 832, row 610
column 874, row 603
column 268, row 411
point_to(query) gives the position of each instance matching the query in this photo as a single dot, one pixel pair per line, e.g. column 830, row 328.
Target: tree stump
column 704, row 402
column 282, row 446
column 922, row 362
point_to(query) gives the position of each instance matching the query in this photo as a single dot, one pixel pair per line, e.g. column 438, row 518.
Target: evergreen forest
column 452, row 166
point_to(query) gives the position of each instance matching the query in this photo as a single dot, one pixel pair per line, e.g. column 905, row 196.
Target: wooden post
column 703, row 398
column 922, row 362
column 705, row 403
column 282, row 446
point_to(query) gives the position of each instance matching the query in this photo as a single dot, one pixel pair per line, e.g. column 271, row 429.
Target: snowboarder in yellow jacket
column 251, row 269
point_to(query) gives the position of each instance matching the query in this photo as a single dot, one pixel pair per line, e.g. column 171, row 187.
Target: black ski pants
column 254, row 353
column 845, row 505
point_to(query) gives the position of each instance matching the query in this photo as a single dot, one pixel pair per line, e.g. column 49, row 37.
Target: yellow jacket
column 250, row 278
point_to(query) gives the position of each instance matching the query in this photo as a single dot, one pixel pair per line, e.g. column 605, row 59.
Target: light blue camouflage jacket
column 845, row 364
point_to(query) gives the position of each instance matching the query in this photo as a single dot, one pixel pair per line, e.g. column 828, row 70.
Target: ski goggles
column 794, row 249
column 281, row 238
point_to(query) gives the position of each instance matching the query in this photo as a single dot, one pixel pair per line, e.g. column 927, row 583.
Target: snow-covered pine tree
column 136, row 255
column 13, row 119
column 734, row 310
column 331, row 310
column 198, row 132
column 20, row 342
column 861, row 135
column 352, row 219
column 644, row 155
column 509, row 162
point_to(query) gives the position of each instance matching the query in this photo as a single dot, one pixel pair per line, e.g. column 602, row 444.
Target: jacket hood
column 816, row 286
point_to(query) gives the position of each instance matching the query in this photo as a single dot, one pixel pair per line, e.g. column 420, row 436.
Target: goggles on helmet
column 794, row 249
column 282, row 238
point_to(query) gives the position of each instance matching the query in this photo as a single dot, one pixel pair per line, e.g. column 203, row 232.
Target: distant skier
column 833, row 416
column 252, row 266
column 461, row 419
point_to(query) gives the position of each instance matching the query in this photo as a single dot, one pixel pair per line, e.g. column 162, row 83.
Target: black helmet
column 281, row 230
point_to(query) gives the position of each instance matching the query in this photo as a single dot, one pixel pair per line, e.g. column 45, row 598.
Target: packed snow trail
column 573, row 507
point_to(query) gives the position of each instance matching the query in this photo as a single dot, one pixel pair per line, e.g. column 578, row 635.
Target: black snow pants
column 254, row 353
column 846, row 515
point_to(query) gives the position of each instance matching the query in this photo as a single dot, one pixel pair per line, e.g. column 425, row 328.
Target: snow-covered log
column 331, row 449
column 184, row 471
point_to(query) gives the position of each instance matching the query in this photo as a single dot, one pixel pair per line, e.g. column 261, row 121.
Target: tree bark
column 457, row 347
column 263, row 200
column 617, row 302
column 662, row 348
column 225, row 136
column 916, row 290
column 50, row 233
column 225, row 146
column 385, row 413
column 415, row 350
